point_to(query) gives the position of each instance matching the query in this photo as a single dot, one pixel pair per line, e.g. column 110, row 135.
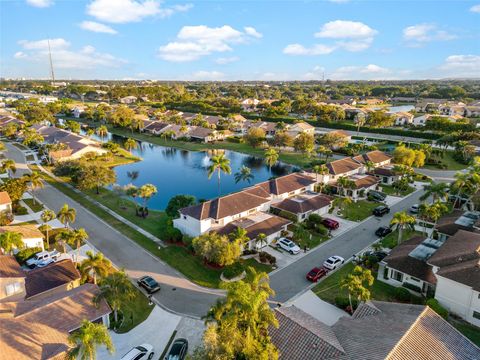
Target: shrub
column 439, row 309
column 288, row 216
column 20, row 210
column 5, row 218
column 216, row 248
column 172, row 234
column 412, row 287
column 177, row 202
column 233, row 270
column 402, row 294
column 249, row 252
column 267, row 258
column 25, row 254
column 343, row 302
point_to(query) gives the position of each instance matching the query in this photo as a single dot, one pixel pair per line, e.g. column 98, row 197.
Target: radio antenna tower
column 51, row 62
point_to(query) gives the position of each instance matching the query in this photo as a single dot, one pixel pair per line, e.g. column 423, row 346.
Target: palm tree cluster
column 467, row 185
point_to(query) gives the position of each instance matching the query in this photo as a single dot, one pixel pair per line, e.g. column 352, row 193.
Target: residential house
column 301, row 206
column 386, row 174
column 270, row 128
column 473, row 110
column 422, row 120
column 377, row 330
column 429, row 105
column 12, row 279
column 452, row 108
column 77, row 111
column 361, row 185
column 5, row 203
column 339, row 168
column 376, row 157
column 44, row 99
column 402, row 118
column 300, row 127
column 55, row 278
column 155, row 127
column 250, row 105
column 39, row 329
column 207, row 135
column 8, row 119
column 31, row 236
column 129, row 100
column 449, row 224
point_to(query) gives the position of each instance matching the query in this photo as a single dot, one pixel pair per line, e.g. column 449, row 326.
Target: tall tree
column 102, row 131
column 85, row 341
column 10, row 240
column 261, row 240
column 130, row 144
column 271, row 157
column 133, row 175
column 401, row 221
column 357, row 284
column 237, row 326
column 320, row 170
column 240, row 235
column 438, row 191
column 66, row 215
column 219, row 163
column 96, row 265
column 244, row 174
column 94, row 176
column 35, row 181
column 146, row 192
column 47, row 216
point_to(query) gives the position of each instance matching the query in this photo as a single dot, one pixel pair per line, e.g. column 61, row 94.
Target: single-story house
column 402, row 118
column 155, row 127
column 12, row 279
column 339, row 168
column 249, row 104
column 303, row 205
column 385, row 174
column 31, row 236
column 301, row 127
column 128, row 100
column 5, row 203
column 362, row 184
column 376, row 157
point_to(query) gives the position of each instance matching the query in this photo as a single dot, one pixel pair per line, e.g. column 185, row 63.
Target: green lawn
column 135, row 312
column 470, row 331
column 315, row 240
column 390, row 190
column 391, row 240
column 448, row 160
column 329, row 288
column 35, row 206
column 357, row 211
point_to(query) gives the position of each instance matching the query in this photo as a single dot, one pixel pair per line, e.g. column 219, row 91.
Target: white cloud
column 418, row 35
column 208, row 75
column 475, row 8
column 368, row 72
column 125, row 11
column 227, row 60
column 351, row 36
column 65, row 58
column 252, row 32
column 298, row 49
column 97, row 27
column 317, row 73
column 195, row 42
column 40, row 3
column 461, row 66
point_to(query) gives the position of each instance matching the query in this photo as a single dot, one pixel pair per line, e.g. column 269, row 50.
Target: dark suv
column 381, row 210
column 179, row 350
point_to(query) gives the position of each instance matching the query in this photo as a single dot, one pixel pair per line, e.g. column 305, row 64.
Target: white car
column 44, row 263
column 288, row 245
column 333, row 262
column 414, row 208
column 142, row 352
column 42, row 257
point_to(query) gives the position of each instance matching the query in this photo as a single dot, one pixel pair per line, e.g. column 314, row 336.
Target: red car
column 316, row 273
column 330, row 224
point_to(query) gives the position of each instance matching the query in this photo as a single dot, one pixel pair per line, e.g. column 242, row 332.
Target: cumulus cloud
column 347, row 35
column 125, row 11
column 475, row 8
column 40, row 3
column 418, row 35
column 97, row 27
column 64, row 57
column 461, row 66
column 227, row 60
column 368, row 72
column 194, row 42
column 252, row 32
column 208, row 75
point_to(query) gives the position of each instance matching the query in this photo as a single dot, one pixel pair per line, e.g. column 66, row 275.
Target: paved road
column 177, row 294
column 290, row 281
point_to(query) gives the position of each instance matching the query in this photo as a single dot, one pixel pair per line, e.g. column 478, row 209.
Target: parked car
column 381, row 210
column 383, row 231
column 42, row 257
column 316, row 273
column 288, row 245
column 149, row 284
column 333, row 262
column 376, row 196
column 414, row 208
column 179, row 350
column 330, row 223
column 44, row 263
column 142, row 352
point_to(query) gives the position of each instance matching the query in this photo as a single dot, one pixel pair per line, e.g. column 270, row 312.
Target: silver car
column 288, row 245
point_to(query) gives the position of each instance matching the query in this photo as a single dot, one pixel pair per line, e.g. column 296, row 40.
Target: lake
column 174, row 171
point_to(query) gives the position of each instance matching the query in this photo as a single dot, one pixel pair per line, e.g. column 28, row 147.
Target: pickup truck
column 44, row 257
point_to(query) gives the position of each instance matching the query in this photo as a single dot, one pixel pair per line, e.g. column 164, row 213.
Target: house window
column 396, row 275
column 414, row 279
column 476, row 315
column 385, row 273
column 14, row 288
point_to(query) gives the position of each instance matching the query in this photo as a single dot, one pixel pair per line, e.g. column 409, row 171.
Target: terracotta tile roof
column 5, row 198
column 463, row 246
column 383, row 171
column 364, row 182
column 467, row 273
column 400, row 260
column 287, row 183
column 304, row 126
column 301, row 336
column 10, row 268
column 375, row 156
column 343, row 166
column 39, row 329
column 27, row 231
column 301, row 204
column 50, row 277
column 268, row 226
column 340, row 132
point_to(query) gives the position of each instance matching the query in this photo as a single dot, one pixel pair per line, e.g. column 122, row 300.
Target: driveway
column 319, row 309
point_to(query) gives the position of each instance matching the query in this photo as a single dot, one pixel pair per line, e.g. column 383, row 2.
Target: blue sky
column 240, row 40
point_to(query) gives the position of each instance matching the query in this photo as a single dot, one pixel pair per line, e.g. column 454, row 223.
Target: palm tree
column 11, row 240
column 145, row 192
column 95, row 264
column 86, row 339
column 133, row 175
column 78, row 236
column 65, row 237
column 35, row 181
column 169, row 134
column 369, row 165
column 136, row 124
column 401, row 220
column 261, row 240
column 438, row 191
column 341, row 203
column 240, row 235
column 130, row 144
column 244, row 174
column 357, row 283
column 66, row 215
column 90, row 132
column 117, row 290
column 102, row 131
column 344, row 183
column 320, row 170
column 46, row 216
column 271, row 157
column 9, row 166
column 220, row 164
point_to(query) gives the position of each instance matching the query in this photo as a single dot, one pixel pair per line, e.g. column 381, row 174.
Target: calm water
column 174, row 171
column 395, row 109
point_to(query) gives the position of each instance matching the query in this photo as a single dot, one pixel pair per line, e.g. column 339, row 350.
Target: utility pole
column 51, row 63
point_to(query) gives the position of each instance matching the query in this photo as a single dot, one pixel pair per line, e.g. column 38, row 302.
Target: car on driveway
column 376, row 196
column 381, row 210
column 142, row 352
column 149, row 284
column 316, row 273
column 179, row 350
column 333, row 262
column 383, row 231
column 288, row 245
column 414, row 209
column 330, row 223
